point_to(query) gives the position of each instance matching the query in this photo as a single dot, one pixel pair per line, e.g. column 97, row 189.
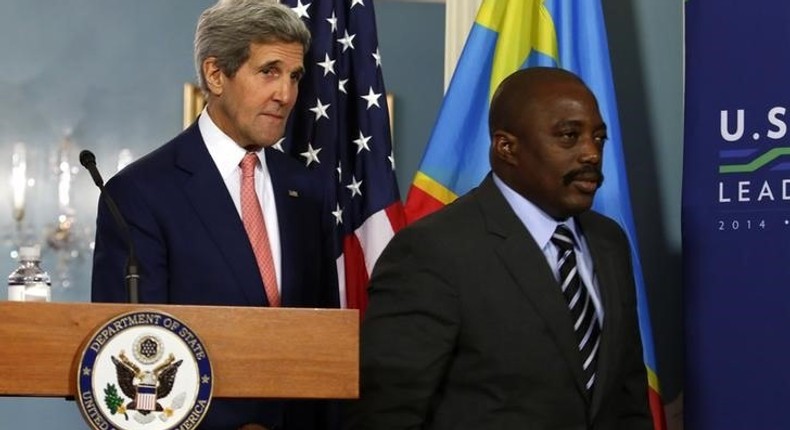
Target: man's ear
column 504, row 145
column 215, row 79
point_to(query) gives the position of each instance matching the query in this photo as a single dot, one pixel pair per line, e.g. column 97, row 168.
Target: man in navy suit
column 184, row 202
column 514, row 307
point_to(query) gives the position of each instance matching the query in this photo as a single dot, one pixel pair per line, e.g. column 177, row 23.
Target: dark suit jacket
column 193, row 248
column 467, row 329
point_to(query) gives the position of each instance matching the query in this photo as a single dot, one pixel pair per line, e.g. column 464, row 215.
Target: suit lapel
column 209, row 196
column 287, row 196
column 605, row 266
column 527, row 264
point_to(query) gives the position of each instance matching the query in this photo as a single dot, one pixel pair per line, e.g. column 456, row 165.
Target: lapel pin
column 293, row 193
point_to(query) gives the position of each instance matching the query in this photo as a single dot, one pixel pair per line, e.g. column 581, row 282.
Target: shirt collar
column 539, row 224
column 227, row 155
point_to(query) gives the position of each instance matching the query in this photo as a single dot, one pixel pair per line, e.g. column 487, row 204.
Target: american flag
column 340, row 126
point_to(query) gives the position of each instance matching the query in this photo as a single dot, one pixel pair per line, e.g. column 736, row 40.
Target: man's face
column 558, row 149
column 252, row 107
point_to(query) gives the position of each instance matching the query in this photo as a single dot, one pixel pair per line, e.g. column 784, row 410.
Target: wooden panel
column 255, row 352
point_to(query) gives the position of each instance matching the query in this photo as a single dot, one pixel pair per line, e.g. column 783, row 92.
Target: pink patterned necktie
column 252, row 216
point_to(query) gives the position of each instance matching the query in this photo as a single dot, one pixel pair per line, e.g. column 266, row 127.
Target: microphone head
column 87, row 158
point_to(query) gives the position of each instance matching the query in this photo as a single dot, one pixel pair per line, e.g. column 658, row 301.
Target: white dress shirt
column 227, row 156
column 541, row 226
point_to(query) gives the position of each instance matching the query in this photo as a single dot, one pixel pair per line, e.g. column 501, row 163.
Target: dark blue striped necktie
column 583, row 315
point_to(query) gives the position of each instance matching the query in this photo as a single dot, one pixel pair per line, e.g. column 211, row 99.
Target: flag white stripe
column 373, row 236
column 341, row 280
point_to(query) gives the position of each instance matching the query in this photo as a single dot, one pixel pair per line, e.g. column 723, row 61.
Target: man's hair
column 226, row 30
column 516, row 92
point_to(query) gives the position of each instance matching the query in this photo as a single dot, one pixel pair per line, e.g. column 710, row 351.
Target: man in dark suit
column 486, row 315
column 210, row 231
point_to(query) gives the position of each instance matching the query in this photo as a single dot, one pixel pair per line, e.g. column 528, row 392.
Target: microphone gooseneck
column 132, row 278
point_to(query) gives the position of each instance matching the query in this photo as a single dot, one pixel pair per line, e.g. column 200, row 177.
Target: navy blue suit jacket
column 193, row 249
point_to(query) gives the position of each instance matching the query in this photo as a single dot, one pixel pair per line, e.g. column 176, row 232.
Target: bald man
column 515, row 306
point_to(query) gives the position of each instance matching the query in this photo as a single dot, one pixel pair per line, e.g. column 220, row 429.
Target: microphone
column 88, row 160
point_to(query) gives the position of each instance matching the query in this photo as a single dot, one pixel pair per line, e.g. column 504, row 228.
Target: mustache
column 586, row 173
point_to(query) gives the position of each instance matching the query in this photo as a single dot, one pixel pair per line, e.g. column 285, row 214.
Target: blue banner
column 736, row 214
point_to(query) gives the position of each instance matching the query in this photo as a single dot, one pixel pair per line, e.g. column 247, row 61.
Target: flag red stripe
column 356, row 273
column 396, row 216
column 419, row 203
column 657, row 409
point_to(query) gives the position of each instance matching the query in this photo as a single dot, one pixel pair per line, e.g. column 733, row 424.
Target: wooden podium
column 255, row 352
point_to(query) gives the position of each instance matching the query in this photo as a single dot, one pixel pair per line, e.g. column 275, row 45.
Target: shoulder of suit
column 601, row 224
column 159, row 160
column 597, row 218
column 447, row 221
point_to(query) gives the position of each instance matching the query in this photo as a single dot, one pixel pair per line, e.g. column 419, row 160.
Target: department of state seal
column 144, row 370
